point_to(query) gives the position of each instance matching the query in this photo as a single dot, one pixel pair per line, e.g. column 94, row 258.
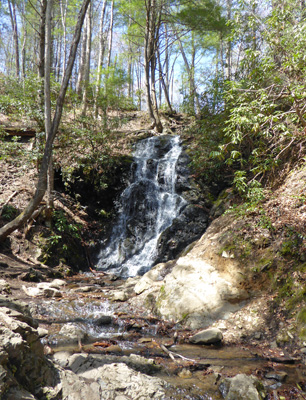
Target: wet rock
column 242, row 387
column 185, row 229
column 104, row 320
column 279, row 376
column 85, row 289
column 208, row 336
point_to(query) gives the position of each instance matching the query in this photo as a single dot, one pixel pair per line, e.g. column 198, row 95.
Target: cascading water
column 147, row 207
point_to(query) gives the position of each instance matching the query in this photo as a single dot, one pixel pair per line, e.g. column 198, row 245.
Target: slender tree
column 42, row 177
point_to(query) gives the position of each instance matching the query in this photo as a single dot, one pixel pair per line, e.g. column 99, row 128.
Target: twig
column 171, row 354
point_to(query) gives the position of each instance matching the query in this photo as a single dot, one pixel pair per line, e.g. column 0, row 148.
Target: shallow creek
column 115, row 330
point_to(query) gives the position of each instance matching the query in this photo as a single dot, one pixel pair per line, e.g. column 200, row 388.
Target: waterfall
column 147, row 207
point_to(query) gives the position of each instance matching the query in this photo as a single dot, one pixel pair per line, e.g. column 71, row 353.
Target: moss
column 301, row 317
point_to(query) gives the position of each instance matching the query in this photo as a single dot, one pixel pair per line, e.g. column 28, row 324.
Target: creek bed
column 197, row 378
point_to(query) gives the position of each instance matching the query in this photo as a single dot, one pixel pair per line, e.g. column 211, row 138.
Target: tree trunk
column 229, row 6
column 82, row 64
column 23, row 49
column 110, row 37
column 63, row 19
column 47, row 92
column 42, row 177
column 12, row 9
column 87, row 60
column 165, row 84
column 151, row 40
column 100, row 57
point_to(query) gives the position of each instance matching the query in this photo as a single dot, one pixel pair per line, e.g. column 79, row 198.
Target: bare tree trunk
column 164, row 84
column 229, row 42
column 63, row 6
column 42, row 177
column 87, row 60
column 110, row 37
column 23, row 49
column 47, row 92
column 13, row 17
column 42, row 35
column 100, row 57
column 151, row 40
column 82, row 64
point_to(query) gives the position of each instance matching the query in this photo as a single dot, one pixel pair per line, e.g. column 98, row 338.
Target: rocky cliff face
column 192, row 222
column 25, row 372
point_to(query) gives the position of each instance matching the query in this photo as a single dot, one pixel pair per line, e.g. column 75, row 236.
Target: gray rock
column 119, row 379
column 208, row 336
column 43, row 289
column 42, row 332
column 120, row 296
column 73, row 333
column 279, row 376
column 258, row 335
column 242, row 387
column 4, row 287
column 61, row 358
column 103, row 320
column 19, row 394
column 85, row 289
column 24, row 370
column 76, row 388
column 57, row 283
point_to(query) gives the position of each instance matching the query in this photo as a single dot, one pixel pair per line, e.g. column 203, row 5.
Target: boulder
column 73, row 333
column 242, row 387
column 118, row 379
column 24, row 370
column 194, row 292
column 43, row 289
column 208, row 336
column 120, row 296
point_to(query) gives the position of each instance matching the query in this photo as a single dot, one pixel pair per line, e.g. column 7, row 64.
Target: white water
column 148, row 207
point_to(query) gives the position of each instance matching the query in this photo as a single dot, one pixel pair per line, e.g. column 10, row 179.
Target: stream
column 114, row 330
